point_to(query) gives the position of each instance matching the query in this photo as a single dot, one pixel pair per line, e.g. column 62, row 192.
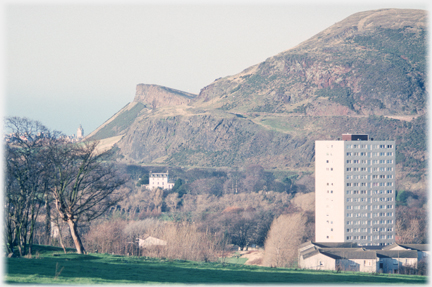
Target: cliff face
column 272, row 142
column 159, row 96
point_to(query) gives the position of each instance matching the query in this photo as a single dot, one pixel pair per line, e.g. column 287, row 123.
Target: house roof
column 371, row 247
column 397, row 253
column 330, row 244
column 305, row 244
column 310, row 253
column 418, row 247
column 307, row 250
column 349, row 254
column 341, row 249
column 335, row 244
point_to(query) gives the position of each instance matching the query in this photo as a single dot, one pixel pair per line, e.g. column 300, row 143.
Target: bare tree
column 285, row 235
column 26, row 177
column 83, row 184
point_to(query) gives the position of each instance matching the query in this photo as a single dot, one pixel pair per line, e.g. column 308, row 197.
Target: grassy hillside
column 50, row 265
column 120, row 123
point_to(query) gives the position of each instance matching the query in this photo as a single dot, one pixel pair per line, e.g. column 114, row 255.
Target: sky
column 76, row 63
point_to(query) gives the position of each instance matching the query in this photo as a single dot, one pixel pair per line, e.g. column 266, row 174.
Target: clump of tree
column 27, row 180
column 183, row 240
column 44, row 170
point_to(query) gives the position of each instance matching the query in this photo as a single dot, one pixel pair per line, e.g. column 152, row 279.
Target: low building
column 151, row 241
column 346, row 259
column 341, row 256
column 422, row 249
column 159, row 180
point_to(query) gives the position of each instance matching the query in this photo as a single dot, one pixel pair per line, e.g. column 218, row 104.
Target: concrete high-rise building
column 355, row 190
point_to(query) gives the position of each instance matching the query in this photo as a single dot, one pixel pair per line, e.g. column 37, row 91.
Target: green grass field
column 51, row 266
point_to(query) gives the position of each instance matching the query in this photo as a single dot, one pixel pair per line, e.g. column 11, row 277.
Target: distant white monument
column 80, row 133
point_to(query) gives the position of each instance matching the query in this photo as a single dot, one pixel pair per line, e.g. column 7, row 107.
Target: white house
column 160, row 180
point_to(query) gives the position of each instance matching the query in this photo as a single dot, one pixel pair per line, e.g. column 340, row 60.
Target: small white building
column 151, row 241
column 160, row 180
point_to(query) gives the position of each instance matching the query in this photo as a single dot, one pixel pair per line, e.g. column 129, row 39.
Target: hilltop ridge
column 158, row 96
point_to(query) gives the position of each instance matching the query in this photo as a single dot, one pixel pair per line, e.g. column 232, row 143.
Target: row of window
column 390, row 183
column 357, row 192
column 365, row 199
column 381, row 176
column 382, row 183
column 368, row 215
column 365, row 207
column 389, row 191
column 370, row 230
column 357, row 176
column 373, row 146
column 382, row 191
column 365, row 176
column 370, row 222
column 382, row 229
column 363, row 153
column 374, row 169
column 374, row 237
column 365, row 161
column 357, row 169
column 388, row 206
column 358, row 199
column 357, row 184
column 377, row 199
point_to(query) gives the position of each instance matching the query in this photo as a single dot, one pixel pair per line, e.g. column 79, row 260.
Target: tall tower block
column 355, row 190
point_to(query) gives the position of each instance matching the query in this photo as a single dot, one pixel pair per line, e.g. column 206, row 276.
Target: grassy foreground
column 51, row 266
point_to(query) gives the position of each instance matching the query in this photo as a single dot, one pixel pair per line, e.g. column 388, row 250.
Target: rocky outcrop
column 158, row 96
column 211, row 141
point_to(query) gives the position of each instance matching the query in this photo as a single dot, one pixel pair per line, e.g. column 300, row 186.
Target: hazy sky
column 73, row 63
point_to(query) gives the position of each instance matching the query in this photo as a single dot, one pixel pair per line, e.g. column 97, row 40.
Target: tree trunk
column 60, row 237
column 75, row 236
column 48, row 220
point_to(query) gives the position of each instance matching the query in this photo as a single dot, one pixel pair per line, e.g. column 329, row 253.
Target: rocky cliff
column 159, row 96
